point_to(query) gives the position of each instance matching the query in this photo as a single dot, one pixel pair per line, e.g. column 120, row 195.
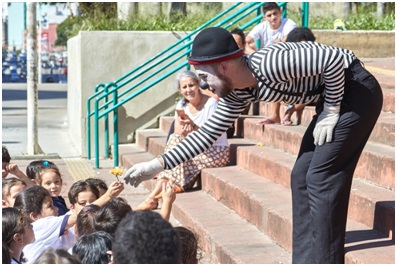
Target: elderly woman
column 192, row 111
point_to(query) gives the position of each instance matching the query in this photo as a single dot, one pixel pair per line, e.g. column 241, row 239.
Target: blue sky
column 15, row 24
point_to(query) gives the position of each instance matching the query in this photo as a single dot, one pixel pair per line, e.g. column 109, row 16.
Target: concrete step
column 131, row 158
column 218, row 244
column 143, row 136
column 165, row 123
column 224, row 235
column 369, row 204
column 376, row 166
column 376, row 163
column 267, row 205
column 265, row 109
column 388, row 100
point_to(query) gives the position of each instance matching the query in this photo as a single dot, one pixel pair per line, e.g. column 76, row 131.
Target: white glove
column 142, row 171
column 325, row 125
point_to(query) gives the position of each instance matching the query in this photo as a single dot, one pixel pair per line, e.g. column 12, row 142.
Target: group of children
column 40, row 227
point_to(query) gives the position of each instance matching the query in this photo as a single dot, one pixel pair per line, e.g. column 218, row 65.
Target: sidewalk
column 54, row 138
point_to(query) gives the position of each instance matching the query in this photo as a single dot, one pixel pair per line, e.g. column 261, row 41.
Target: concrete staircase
column 243, row 213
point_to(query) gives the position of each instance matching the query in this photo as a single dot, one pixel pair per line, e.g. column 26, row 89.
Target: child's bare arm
column 72, row 220
column 168, row 198
column 14, row 169
column 113, row 191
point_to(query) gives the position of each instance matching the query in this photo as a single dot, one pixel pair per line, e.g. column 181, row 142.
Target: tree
column 33, row 147
column 65, row 29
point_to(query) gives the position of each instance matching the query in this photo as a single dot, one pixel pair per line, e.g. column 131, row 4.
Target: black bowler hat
column 214, row 45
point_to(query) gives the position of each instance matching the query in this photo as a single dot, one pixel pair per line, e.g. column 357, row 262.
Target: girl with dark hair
column 17, row 232
column 49, row 228
column 85, row 220
column 47, row 175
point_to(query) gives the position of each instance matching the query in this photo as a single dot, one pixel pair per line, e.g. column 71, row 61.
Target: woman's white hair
column 187, row 73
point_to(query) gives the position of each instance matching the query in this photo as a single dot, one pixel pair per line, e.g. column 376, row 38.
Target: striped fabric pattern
column 284, row 71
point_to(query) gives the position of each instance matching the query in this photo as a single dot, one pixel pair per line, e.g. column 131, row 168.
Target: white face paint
column 219, row 84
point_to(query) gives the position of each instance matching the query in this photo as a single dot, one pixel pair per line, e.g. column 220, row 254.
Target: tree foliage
column 107, row 10
column 66, row 30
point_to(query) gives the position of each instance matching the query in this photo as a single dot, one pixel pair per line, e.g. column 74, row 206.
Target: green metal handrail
column 98, row 92
column 103, row 91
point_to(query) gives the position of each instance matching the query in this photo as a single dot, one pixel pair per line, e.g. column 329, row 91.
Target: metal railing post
column 89, row 121
column 106, row 121
column 258, row 42
column 96, row 134
column 305, row 14
column 187, row 55
column 115, row 131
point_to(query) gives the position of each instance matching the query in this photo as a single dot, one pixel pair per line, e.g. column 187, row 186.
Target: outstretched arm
column 195, row 143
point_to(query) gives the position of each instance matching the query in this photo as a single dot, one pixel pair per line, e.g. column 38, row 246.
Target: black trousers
column 322, row 175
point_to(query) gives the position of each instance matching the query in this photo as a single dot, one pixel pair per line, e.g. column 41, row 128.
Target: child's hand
column 13, row 169
column 115, row 189
column 168, row 192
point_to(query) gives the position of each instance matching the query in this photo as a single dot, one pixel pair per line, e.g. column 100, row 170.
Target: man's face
column 274, row 18
column 220, row 85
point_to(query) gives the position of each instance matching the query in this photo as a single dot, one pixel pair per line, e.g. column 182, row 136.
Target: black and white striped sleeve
column 197, row 142
column 302, row 64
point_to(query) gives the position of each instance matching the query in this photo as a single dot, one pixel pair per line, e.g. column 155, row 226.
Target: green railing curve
column 108, row 97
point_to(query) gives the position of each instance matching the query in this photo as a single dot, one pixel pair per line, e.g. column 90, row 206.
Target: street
column 52, row 120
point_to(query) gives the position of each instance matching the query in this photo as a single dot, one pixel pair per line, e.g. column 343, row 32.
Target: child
column 110, row 215
column 85, row 220
column 11, row 187
column 83, row 193
column 35, row 166
column 48, row 176
column 94, row 248
column 17, row 233
column 100, row 184
column 59, row 256
column 6, row 254
column 145, row 237
column 7, row 167
column 49, row 228
column 188, row 241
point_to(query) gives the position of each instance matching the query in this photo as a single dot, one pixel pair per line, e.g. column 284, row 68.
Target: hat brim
column 215, row 58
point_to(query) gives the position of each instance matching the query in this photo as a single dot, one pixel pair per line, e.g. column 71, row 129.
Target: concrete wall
column 364, row 44
column 104, row 56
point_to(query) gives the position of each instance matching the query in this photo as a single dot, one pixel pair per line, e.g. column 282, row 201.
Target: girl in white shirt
column 49, row 228
column 192, row 111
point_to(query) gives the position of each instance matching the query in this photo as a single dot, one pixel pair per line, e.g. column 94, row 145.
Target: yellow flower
column 260, row 144
column 116, row 171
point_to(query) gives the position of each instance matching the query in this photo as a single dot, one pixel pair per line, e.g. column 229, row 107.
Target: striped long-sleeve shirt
column 289, row 72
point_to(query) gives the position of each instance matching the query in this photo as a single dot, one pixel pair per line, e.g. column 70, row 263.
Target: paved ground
column 53, row 136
